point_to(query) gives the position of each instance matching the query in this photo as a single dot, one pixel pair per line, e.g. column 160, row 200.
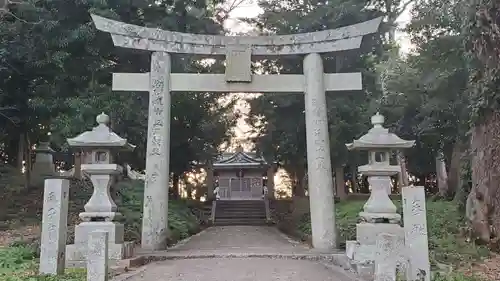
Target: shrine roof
column 239, row 159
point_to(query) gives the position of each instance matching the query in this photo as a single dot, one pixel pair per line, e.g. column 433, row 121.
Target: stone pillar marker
column 97, row 257
column 415, row 228
column 318, row 157
column 155, row 211
column 54, row 226
column 101, row 211
column 379, row 214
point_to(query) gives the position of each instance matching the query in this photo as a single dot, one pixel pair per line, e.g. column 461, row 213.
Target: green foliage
column 18, row 263
column 57, row 69
column 279, row 121
column 182, row 221
column 443, row 222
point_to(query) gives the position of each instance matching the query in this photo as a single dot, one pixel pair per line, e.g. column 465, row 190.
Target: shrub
column 443, row 222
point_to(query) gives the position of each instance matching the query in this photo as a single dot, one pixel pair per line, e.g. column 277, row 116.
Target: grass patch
column 182, row 221
column 19, row 261
column 443, row 222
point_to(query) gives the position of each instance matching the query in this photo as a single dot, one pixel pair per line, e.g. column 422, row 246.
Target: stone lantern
column 379, row 214
column 100, row 211
column 44, row 163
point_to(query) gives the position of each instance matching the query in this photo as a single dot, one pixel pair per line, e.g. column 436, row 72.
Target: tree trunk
column 189, row 188
column 21, row 152
column 175, row 186
column 355, row 183
column 442, row 176
column 340, row 183
column 403, row 175
column 455, row 173
column 29, row 161
column 298, row 184
column 483, row 202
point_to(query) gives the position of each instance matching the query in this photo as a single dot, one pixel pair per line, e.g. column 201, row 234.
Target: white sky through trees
column 250, row 9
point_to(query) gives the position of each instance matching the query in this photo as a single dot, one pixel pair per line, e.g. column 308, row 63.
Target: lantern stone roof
column 100, row 136
column 239, row 159
column 379, row 137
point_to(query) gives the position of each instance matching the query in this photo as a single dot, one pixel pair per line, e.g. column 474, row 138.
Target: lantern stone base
column 76, row 254
column 379, row 218
column 361, row 253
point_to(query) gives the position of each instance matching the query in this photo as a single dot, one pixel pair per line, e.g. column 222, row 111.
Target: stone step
column 246, row 216
column 219, row 221
column 239, row 206
column 236, row 208
column 240, row 203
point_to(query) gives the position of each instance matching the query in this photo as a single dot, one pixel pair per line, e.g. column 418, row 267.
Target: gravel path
column 247, row 269
column 238, row 239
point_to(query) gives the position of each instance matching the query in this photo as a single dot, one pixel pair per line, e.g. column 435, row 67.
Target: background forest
column 55, row 77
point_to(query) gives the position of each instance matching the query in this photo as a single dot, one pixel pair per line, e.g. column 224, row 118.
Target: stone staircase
column 240, row 212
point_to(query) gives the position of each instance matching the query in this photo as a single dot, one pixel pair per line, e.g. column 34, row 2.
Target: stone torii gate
column 160, row 82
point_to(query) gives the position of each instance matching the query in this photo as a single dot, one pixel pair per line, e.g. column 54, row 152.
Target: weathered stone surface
column 318, row 157
column 137, row 37
column 54, row 226
column 97, row 256
column 416, row 237
column 390, row 249
column 283, row 83
column 239, row 64
column 155, row 211
column 366, row 233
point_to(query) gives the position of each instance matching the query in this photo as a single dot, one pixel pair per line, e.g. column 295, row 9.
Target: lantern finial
column 378, row 120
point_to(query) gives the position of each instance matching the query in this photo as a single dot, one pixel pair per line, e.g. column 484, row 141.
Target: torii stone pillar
column 238, row 77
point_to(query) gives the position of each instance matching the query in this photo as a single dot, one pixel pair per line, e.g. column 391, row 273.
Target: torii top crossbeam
column 153, row 39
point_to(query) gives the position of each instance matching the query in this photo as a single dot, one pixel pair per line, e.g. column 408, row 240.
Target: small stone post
column 389, row 251
column 54, row 226
column 97, row 257
column 415, row 228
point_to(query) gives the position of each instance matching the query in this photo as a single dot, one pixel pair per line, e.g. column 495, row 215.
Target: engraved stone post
column 97, row 257
column 154, row 222
column 389, row 249
column 318, row 156
column 54, row 226
column 415, row 228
